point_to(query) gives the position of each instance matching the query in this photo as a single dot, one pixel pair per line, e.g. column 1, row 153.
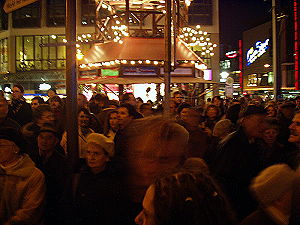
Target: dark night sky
column 237, row 16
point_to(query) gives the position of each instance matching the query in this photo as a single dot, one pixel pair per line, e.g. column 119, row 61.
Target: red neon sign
column 231, row 54
column 296, row 45
column 241, row 62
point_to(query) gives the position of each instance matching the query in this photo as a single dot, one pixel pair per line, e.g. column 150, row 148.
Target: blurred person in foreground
column 22, row 185
column 151, row 145
column 184, row 197
column 5, row 121
column 237, row 160
column 273, row 190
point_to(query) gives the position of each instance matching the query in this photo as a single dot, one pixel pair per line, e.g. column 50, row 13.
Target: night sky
column 237, row 16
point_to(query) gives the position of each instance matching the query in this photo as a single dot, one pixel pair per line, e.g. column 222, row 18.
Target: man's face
column 47, row 141
column 34, row 103
column 8, row 151
column 254, row 125
column 113, row 121
column 295, row 129
column 3, row 109
column 16, row 93
column 54, row 104
column 83, row 119
column 178, row 98
column 123, row 117
column 270, row 136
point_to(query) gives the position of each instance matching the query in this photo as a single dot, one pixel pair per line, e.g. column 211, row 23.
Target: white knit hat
column 272, row 183
column 103, row 141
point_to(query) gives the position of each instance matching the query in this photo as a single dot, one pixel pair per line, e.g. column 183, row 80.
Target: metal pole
column 274, row 44
column 71, row 84
column 167, row 75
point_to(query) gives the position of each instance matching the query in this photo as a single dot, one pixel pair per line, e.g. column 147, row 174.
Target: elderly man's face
column 3, row 109
column 254, row 125
column 295, row 129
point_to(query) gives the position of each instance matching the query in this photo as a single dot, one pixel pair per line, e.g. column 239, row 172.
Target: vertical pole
column 127, row 13
column 71, row 84
column 167, row 75
column 274, row 40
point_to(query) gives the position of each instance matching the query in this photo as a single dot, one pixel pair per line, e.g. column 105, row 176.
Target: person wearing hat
column 56, row 169
column 19, row 109
column 22, row 185
column 96, row 190
column 272, row 188
column 236, row 160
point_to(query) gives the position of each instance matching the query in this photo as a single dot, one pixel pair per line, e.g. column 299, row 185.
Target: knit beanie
column 272, row 183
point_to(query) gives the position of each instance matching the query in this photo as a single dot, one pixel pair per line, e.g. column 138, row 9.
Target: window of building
column 27, row 16
column 88, row 12
column 56, row 13
column 30, row 55
column 201, row 12
column 3, row 17
column 3, row 56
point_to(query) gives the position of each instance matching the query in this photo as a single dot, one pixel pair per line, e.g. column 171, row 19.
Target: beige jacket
column 22, row 193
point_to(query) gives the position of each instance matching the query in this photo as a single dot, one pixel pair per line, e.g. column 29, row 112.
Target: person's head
column 183, row 111
column 194, row 117
column 113, row 104
column 99, row 151
column 271, row 131
column 233, row 113
column 253, row 121
column 172, row 106
column 295, row 130
column 113, row 120
column 184, row 197
column 10, row 146
column 223, row 128
column 126, row 113
column 273, row 187
column 288, row 110
column 56, row 103
column 83, row 117
column 17, row 92
column 43, row 115
column 51, row 92
column 217, row 101
column 153, row 144
column 36, row 101
column 271, row 110
column 129, row 98
column 82, row 101
column 101, row 100
column 146, row 109
column 212, row 112
column 47, row 138
column 3, row 107
column 178, row 97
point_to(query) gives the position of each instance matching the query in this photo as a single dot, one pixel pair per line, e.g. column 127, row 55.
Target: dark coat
column 20, row 111
column 97, row 198
column 236, row 163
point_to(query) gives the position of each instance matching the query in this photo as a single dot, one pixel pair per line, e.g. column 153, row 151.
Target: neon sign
column 254, row 53
column 231, row 54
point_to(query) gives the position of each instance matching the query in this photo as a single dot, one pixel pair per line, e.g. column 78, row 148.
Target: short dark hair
column 182, row 106
column 52, row 89
column 39, row 99
column 189, row 197
column 131, row 110
column 39, row 111
column 20, row 87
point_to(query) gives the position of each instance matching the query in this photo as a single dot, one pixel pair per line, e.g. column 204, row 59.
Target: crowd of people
column 221, row 162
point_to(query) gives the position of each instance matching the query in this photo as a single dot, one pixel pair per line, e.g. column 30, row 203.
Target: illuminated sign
column 254, row 53
column 231, row 54
column 12, row 5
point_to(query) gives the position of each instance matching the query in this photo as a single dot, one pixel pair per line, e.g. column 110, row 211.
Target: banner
column 12, row 5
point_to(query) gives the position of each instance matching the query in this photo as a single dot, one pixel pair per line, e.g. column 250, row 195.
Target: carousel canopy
column 134, row 48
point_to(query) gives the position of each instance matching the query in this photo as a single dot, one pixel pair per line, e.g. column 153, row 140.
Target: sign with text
column 139, row 71
column 12, row 5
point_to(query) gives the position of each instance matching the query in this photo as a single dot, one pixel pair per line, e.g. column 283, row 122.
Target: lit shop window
column 3, row 56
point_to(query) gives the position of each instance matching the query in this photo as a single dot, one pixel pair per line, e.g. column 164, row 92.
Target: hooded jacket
column 22, row 193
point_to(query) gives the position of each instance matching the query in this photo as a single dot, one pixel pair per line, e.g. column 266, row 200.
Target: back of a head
column 189, row 198
column 223, row 128
column 39, row 111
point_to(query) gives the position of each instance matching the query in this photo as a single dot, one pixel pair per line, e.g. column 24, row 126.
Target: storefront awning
column 145, row 80
column 134, row 48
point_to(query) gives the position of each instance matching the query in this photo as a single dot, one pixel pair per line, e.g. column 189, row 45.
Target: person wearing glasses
column 19, row 109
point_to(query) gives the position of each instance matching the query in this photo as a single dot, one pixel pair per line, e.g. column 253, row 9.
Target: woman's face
column 146, row 216
column 184, row 114
column 83, row 119
column 113, row 121
column 8, row 152
column 96, row 157
column 212, row 113
column 271, row 111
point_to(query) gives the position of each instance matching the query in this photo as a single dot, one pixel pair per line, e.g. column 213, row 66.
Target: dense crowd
column 218, row 162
